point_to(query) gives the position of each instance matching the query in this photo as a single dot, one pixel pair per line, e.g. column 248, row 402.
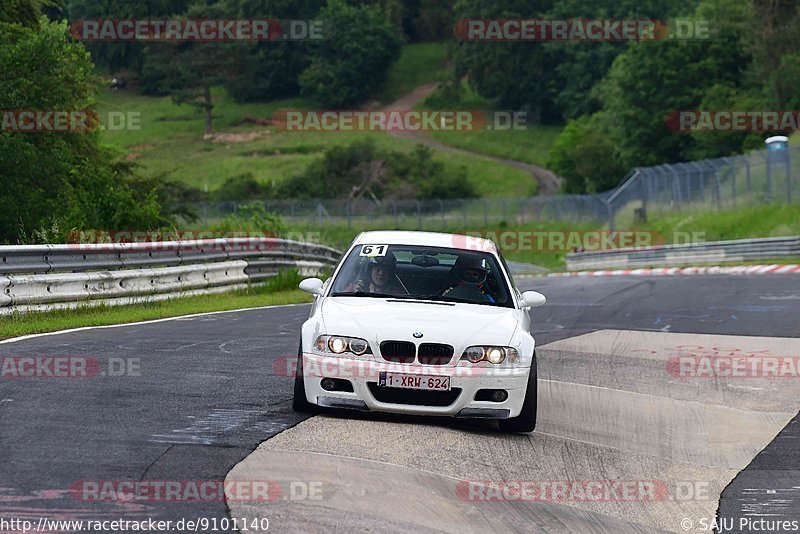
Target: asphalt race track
column 198, row 399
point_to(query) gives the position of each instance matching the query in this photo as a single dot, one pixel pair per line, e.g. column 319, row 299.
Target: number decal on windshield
column 374, row 250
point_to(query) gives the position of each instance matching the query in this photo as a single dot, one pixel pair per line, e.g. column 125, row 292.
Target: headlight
column 337, row 345
column 342, row 344
column 491, row 354
column 358, row 346
column 473, row 354
column 496, row 355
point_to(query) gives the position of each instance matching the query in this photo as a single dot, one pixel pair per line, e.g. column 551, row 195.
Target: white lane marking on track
column 734, row 386
column 176, row 318
column 220, row 347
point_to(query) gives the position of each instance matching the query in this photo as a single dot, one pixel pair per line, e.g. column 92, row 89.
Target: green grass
column 170, row 142
column 531, row 145
column 770, row 220
column 21, row 324
column 418, row 64
column 760, row 221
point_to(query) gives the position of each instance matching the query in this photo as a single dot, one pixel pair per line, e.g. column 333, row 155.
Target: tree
column 352, row 61
column 652, row 79
column 57, row 180
column 579, row 66
column 189, row 70
column 117, row 56
column 515, row 75
column 268, row 70
column 585, row 156
column 774, row 45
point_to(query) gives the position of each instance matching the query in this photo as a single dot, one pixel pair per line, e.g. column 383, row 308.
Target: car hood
column 379, row 319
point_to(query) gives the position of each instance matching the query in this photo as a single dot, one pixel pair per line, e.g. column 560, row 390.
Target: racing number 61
column 373, row 250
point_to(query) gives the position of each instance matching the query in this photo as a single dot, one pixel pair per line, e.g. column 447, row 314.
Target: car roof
column 433, row 239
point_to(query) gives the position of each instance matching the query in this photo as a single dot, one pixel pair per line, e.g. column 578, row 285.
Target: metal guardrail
column 686, row 254
column 38, row 277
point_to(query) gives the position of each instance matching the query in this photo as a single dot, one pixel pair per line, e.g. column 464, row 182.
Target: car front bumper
column 465, row 382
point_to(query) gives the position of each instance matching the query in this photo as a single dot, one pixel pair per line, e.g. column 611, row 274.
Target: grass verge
column 747, row 222
column 419, row 64
column 20, row 324
column 169, row 141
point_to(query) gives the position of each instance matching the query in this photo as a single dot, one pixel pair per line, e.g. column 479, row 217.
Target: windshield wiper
column 441, row 298
column 363, row 294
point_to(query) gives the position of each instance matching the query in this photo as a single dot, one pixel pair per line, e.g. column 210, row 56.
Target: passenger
column 381, row 277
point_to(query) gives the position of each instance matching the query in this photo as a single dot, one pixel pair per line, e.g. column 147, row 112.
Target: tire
column 300, row 401
column 526, row 420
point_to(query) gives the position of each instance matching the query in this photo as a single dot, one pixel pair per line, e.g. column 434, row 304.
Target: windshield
column 429, row 273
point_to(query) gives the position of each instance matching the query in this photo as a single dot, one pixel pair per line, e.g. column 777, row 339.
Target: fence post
column 610, row 214
column 702, row 185
column 676, row 188
column 769, row 179
column 419, row 215
column 788, row 176
column 749, row 176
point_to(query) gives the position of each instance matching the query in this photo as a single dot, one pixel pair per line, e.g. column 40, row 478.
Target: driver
column 470, row 275
column 380, row 277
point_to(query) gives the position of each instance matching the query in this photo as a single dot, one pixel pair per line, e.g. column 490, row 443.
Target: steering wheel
column 466, row 292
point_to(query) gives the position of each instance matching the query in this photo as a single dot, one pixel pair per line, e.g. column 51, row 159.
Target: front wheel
column 526, row 420
column 300, row 401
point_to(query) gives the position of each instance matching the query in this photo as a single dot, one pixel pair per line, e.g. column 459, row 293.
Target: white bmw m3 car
column 420, row 323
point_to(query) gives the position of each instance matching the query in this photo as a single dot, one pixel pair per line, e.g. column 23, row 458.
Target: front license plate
column 405, row 381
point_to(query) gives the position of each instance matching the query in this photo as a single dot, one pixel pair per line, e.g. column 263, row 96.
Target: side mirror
column 311, row 285
column 532, row 299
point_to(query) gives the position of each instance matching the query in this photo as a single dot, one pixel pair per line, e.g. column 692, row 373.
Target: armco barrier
column 58, row 276
column 687, row 254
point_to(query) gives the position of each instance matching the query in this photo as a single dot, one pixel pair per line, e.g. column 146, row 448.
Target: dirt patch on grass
column 243, row 137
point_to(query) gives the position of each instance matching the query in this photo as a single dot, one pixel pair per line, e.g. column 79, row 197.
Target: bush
column 585, row 156
column 352, row 62
column 362, row 170
column 61, row 180
column 253, row 218
column 242, row 187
